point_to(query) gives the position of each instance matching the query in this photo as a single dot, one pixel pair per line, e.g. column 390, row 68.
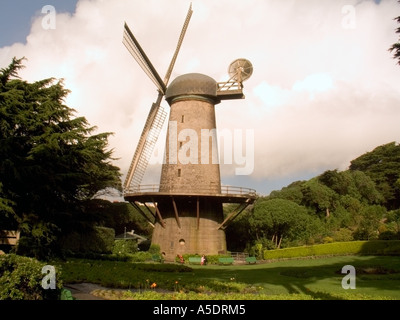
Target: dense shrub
column 96, row 240
column 154, row 248
column 343, row 234
column 21, row 279
column 140, row 256
column 378, row 247
column 125, row 246
column 389, row 235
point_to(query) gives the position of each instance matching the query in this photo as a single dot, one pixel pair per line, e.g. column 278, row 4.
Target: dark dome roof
column 192, row 84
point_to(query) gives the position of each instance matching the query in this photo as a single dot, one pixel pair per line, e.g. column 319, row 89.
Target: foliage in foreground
column 21, row 279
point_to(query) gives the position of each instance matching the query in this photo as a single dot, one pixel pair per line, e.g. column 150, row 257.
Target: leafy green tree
column 352, row 183
column 279, row 218
column 351, row 214
column 292, row 192
column 396, row 46
column 368, row 227
column 320, row 198
column 51, row 163
column 382, row 165
column 393, row 218
column 344, row 205
column 355, row 190
column 367, row 191
column 339, row 218
column 340, row 182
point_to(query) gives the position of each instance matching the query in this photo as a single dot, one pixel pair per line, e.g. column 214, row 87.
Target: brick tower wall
column 192, row 163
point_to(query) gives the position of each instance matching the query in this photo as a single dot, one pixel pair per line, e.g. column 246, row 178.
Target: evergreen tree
column 51, row 163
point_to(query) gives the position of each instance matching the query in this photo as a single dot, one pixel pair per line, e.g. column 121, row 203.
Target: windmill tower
column 186, row 208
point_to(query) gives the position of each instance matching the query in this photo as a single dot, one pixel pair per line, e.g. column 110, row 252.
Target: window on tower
column 183, row 119
column 179, row 173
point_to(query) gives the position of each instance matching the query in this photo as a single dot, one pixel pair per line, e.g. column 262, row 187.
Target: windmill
column 186, row 208
column 156, row 116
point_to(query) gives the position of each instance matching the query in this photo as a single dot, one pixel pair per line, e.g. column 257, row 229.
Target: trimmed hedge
column 376, row 247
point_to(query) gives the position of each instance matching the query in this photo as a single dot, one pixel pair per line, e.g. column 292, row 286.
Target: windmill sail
column 141, row 58
column 178, row 47
column 145, row 147
column 157, row 114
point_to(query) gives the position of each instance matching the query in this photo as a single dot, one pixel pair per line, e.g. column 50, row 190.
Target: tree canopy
column 382, row 165
column 277, row 219
column 51, row 162
column 361, row 203
column 395, row 48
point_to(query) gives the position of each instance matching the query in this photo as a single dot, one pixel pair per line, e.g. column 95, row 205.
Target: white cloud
column 320, row 94
column 271, row 96
column 313, row 83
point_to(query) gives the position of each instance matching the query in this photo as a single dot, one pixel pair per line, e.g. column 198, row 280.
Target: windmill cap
column 195, row 84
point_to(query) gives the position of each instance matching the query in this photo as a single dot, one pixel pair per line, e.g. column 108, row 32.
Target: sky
column 324, row 89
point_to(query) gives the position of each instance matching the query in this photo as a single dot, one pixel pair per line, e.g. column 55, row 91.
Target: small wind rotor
column 239, row 70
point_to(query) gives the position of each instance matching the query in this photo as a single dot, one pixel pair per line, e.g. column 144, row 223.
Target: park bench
column 227, row 260
column 194, row 260
column 9, row 237
column 157, row 258
column 251, row 260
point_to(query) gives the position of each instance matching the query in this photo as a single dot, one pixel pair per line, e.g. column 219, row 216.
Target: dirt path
column 82, row 291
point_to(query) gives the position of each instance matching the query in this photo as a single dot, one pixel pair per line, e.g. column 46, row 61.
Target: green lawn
column 323, row 275
column 377, row 277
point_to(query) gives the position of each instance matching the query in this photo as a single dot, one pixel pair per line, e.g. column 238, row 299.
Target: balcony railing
column 225, row 190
